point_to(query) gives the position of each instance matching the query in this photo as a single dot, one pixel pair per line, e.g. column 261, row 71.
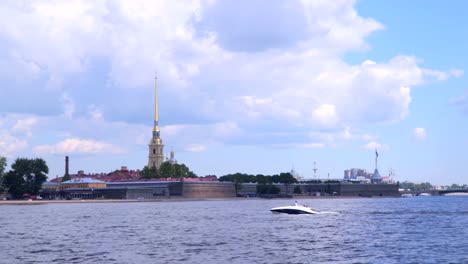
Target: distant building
column 347, row 174
column 82, row 183
column 51, row 186
column 122, row 175
column 356, row 174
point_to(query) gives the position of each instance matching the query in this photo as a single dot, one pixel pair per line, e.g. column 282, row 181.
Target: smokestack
column 66, row 165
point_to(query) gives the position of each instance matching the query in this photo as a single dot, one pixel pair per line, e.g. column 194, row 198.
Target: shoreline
column 178, row 199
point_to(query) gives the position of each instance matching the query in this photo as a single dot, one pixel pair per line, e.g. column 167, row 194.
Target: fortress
column 125, row 184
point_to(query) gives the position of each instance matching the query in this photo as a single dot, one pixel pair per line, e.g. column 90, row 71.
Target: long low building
column 138, row 190
column 189, row 189
column 329, row 189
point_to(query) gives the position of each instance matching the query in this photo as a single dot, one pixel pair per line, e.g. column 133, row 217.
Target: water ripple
column 243, row 231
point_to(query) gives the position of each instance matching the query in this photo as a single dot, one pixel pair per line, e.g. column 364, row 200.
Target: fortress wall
column 247, row 188
column 369, row 190
column 251, row 188
column 207, row 190
column 314, row 189
column 175, row 188
column 140, row 194
column 227, row 189
column 344, row 189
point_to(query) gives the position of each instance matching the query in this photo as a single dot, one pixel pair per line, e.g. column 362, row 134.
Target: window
column 154, row 151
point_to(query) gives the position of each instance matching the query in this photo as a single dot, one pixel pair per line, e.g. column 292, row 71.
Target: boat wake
column 327, row 212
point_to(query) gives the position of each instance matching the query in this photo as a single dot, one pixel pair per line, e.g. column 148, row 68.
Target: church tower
column 156, row 156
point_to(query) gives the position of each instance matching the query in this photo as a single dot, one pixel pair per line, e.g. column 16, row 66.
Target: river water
column 364, row 230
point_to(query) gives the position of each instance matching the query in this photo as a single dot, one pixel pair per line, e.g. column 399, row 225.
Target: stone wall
column 350, row 189
column 324, row 189
column 227, row 190
column 208, row 190
column 140, row 193
column 369, row 190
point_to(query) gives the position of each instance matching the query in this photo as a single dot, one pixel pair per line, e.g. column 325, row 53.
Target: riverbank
column 178, row 199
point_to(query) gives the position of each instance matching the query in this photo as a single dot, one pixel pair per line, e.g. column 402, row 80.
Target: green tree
column 26, row 176
column 262, row 179
column 191, row 174
column 3, row 164
column 297, row 189
column 407, row 185
column 267, row 189
column 149, row 173
column 182, row 171
column 238, row 179
column 287, row 178
column 167, row 170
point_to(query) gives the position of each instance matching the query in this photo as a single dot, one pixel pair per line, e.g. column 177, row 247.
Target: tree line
column 284, row 177
column 264, row 182
column 168, row 170
column 25, row 177
column 425, row 186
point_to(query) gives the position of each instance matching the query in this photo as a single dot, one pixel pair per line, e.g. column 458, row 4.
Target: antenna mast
column 315, row 171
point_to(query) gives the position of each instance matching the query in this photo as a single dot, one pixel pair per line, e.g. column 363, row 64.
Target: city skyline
column 252, row 87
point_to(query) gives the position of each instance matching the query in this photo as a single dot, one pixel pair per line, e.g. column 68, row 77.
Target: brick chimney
column 66, row 165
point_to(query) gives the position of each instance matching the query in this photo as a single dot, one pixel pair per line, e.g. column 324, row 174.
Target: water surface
column 366, row 230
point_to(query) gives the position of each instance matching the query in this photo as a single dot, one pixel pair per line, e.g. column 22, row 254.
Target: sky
column 244, row 86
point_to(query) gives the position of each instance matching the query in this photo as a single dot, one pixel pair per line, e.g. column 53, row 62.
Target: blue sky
column 244, row 86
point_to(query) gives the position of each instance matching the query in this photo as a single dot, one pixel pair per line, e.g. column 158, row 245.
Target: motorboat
column 294, row 209
column 424, row 194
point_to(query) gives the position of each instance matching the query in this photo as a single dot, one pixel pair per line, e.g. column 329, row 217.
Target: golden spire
column 156, row 131
column 156, row 116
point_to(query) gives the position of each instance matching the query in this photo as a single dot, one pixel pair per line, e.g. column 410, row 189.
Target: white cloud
column 10, row 145
column 419, row 133
column 196, row 148
column 456, row 72
column 325, row 114
column 461, row 102
column 347, row 133
column 373, row 145
column 266, row 78
column 95, row 113
column 25, row 125
column 15, row 66
column 78, row 146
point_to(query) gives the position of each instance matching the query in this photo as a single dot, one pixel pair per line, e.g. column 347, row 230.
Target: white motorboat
column 424, row 194
column 294, row 209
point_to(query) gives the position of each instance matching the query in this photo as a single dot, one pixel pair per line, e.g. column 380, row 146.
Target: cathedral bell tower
column 156, row 147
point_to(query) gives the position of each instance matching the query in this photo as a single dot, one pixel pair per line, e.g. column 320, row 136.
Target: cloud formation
column 419, row 133
column 10, row 145
column 252, row 73
column 78, row 146
column 374, row 145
